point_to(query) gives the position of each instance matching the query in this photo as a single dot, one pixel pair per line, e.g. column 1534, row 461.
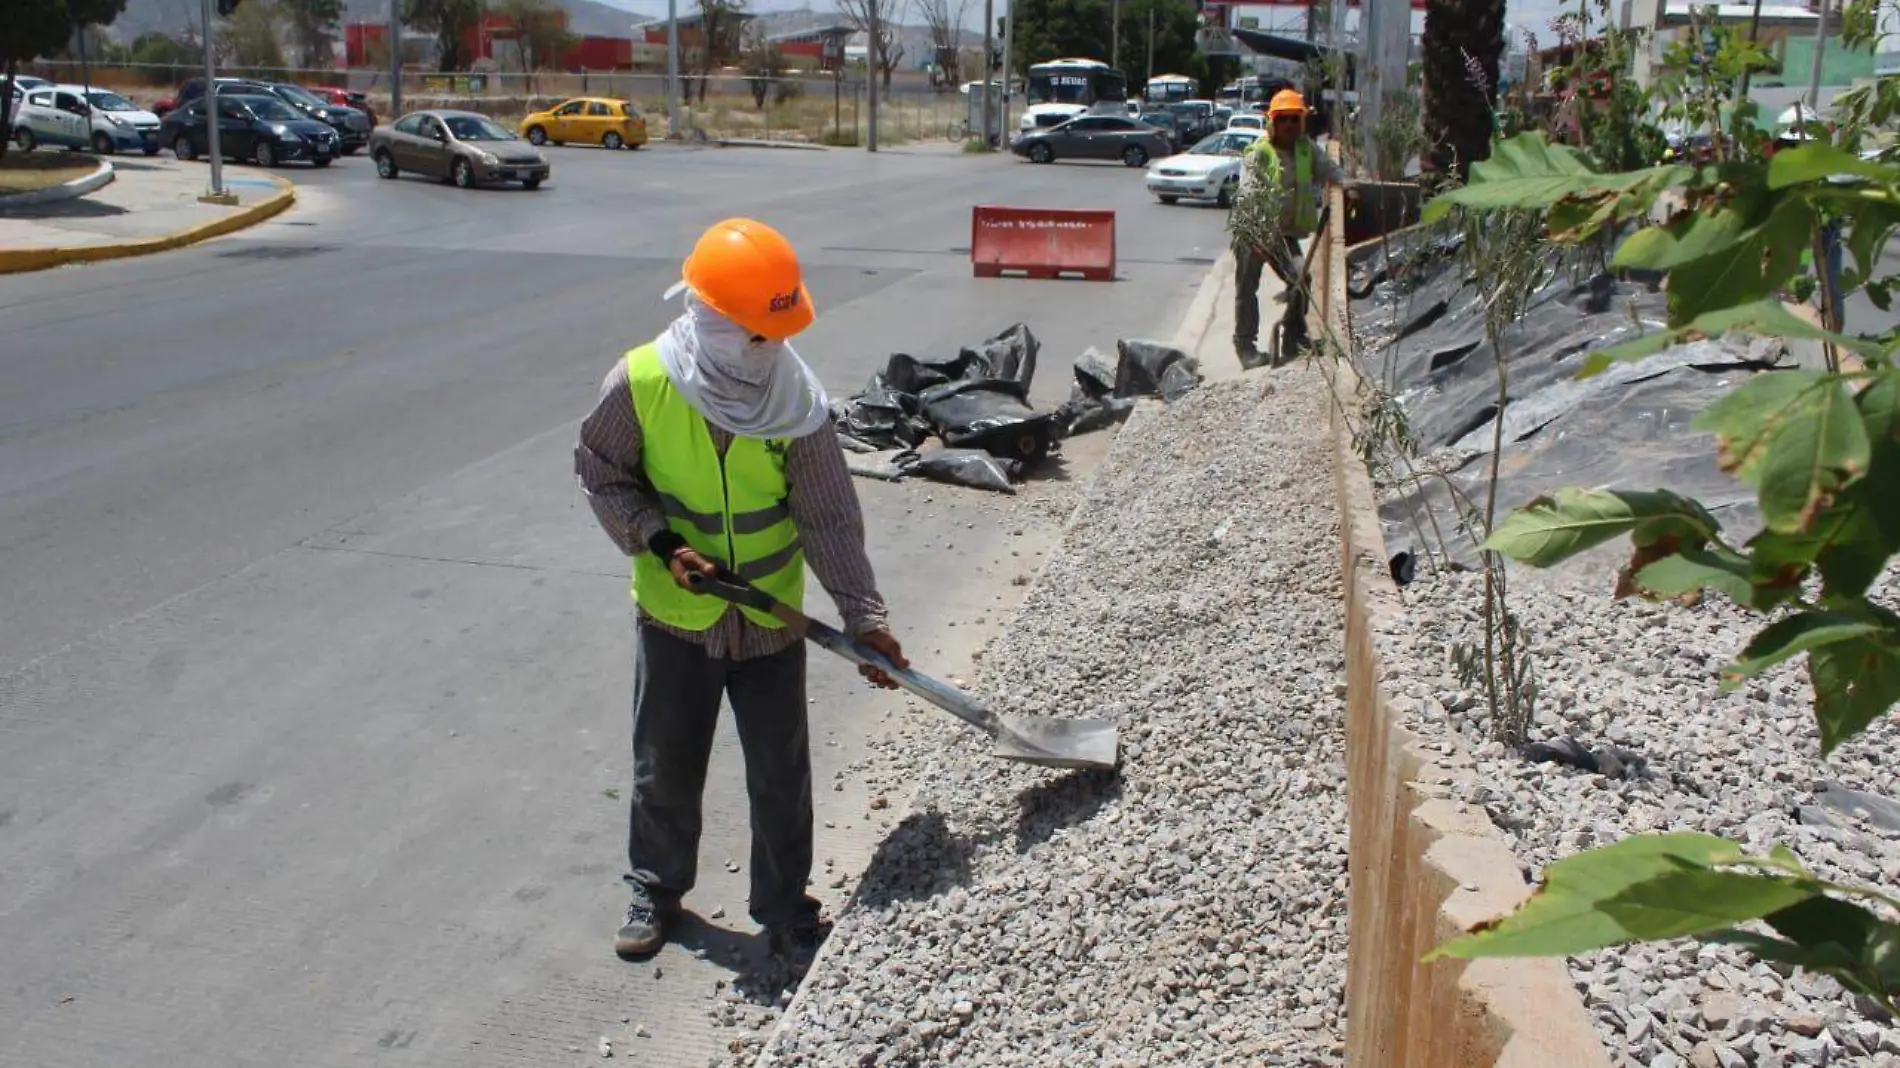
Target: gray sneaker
column 647, row 923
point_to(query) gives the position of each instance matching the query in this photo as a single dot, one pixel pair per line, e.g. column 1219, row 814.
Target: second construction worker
column 1286, row 155
column 712, row 447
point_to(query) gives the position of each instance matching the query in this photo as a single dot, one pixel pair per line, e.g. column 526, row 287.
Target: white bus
column 1165, row 89
column 1062, row 89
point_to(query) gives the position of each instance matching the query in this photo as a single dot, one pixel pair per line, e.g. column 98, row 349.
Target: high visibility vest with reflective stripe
column 731, row 509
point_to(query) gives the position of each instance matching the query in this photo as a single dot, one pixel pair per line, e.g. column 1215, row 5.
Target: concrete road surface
column 313, row 665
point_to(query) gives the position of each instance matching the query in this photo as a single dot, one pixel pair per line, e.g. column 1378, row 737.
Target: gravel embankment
column 1745, row 766
column 1188, row 910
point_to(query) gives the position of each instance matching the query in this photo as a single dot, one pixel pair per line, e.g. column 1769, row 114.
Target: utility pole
column 1151, row 44
column 395, row 60
column 217, row 190
column 1009, row 37
column 874, row 57
column 1814, row 72
column 1115, row 35
column 989, row 72
column 672, row 68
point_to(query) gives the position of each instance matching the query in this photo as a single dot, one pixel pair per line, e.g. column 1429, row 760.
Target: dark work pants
column 676, row 692
column 1283, row 256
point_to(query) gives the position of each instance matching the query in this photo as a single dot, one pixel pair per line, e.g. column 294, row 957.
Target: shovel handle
column 730, row 587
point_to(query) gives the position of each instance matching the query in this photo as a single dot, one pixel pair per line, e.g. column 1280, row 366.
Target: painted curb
column 72, row 190
column 17, row 260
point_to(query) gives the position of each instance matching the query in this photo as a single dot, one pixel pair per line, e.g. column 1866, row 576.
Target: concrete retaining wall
column 1422, row 869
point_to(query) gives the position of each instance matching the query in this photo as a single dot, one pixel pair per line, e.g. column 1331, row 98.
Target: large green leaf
column 1758, row 263
column 1792, row 636
column 1763, row 318
column 1818, row 161
column 1879, row 406
column 1827, row 934
column 1646, row 886
column 1855, row 682
column 1693, row 570
column 1745, row 419
column 1528, row 172
column 1554, row 528
column 1817, row 449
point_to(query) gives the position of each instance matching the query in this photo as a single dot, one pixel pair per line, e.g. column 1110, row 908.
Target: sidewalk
column 152, row 205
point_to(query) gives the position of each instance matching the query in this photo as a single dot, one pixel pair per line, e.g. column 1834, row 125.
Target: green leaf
column 1646, row 886
column 1790, row 637
column 1855, row 682
column 1693, row 570
column 1744, row 420
column 1528, row 172
column 1827, row 934
column 1811, row 455
column 1645, row 249
column 1756, row 263
column 1879, row 406
column 1762, row 318
column 1554, row 528
column 1819, row 161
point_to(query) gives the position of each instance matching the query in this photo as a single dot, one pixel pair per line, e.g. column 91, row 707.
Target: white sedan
column 1208, row 171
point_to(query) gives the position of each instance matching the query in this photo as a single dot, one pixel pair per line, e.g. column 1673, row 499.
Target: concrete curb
column 72, row 190
column 1421, row 868
column 742, row 142
column 17, row 260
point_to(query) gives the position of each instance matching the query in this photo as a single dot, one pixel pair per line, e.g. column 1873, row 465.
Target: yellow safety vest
column 1305, row 210
column 732, row 509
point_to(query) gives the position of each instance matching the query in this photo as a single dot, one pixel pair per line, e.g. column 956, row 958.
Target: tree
column 163, row 50
column 1461, row 45
column 945, row 18
column 885, row 53
column 450, row 21
column 720, row 24
column 313, row 28
column 541, row 35
column 33, row 28
column 762, row 63
column 249, row 37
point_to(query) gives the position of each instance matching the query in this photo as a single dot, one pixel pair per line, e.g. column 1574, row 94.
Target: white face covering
column 753, row 389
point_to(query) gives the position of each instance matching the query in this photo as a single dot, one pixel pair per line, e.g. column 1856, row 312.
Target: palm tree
column 1461, row 45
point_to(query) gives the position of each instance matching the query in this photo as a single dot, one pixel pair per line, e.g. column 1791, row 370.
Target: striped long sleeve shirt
column 823, row 503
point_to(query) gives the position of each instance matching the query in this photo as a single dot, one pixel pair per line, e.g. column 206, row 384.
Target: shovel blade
column 1058, row 743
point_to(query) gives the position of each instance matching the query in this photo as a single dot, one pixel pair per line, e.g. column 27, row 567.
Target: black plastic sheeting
column 977, row 404
column 1419, row 333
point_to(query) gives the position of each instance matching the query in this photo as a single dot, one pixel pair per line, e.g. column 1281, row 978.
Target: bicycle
column 957, row 131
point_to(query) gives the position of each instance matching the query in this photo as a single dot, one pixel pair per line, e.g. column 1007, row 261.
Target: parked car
column 1095, row 137
column 254, row 127
column 352, row 126
column 1165, row 121
column 24, row 84
column 1208, row 171
column 1196, row 118
column 70, row 117
column 1248, row 120
column 348, row 98
column 587, row 120
column 466, row 148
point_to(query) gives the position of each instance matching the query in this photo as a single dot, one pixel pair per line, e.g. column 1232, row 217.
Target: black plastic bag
column 882, row 417
column 1094, row 376
column 966, row 467
column 989, row 414
column 1148, row 368
column 1009, row 355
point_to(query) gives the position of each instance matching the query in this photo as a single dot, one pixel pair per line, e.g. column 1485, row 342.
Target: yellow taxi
column 587, row 120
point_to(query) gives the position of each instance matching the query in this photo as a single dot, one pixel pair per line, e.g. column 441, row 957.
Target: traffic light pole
column 211, row 105
column 395, row 60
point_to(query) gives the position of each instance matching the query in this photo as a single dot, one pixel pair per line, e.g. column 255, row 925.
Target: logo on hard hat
column 785, row 301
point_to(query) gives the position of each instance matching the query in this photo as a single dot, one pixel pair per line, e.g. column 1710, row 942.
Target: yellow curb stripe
column 17, row 260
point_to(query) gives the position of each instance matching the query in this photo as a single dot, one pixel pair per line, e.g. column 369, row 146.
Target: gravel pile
column 1189, row 909
column 1746, row 766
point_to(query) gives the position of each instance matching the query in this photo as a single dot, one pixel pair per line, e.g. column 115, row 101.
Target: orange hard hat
column 1286, row 102
column 747, row 272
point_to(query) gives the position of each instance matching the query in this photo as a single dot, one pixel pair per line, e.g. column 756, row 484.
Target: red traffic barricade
column 1042, row 242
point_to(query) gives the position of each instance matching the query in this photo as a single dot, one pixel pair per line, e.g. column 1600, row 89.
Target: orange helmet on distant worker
column 1286, row 102
column 747, row 272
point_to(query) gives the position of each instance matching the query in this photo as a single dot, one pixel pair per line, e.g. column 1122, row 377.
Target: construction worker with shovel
column 711, row 452
column 1287, row 170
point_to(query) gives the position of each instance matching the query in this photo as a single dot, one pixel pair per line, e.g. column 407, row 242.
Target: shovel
column 1051, row 743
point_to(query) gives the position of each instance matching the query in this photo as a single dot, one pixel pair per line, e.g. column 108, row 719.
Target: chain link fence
column 816, row 108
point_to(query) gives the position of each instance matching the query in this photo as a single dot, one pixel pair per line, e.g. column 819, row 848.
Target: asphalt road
column 313, row 665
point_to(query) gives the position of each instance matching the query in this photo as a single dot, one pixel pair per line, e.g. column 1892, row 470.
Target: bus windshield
column 1080, row 84
column 1167, row 88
